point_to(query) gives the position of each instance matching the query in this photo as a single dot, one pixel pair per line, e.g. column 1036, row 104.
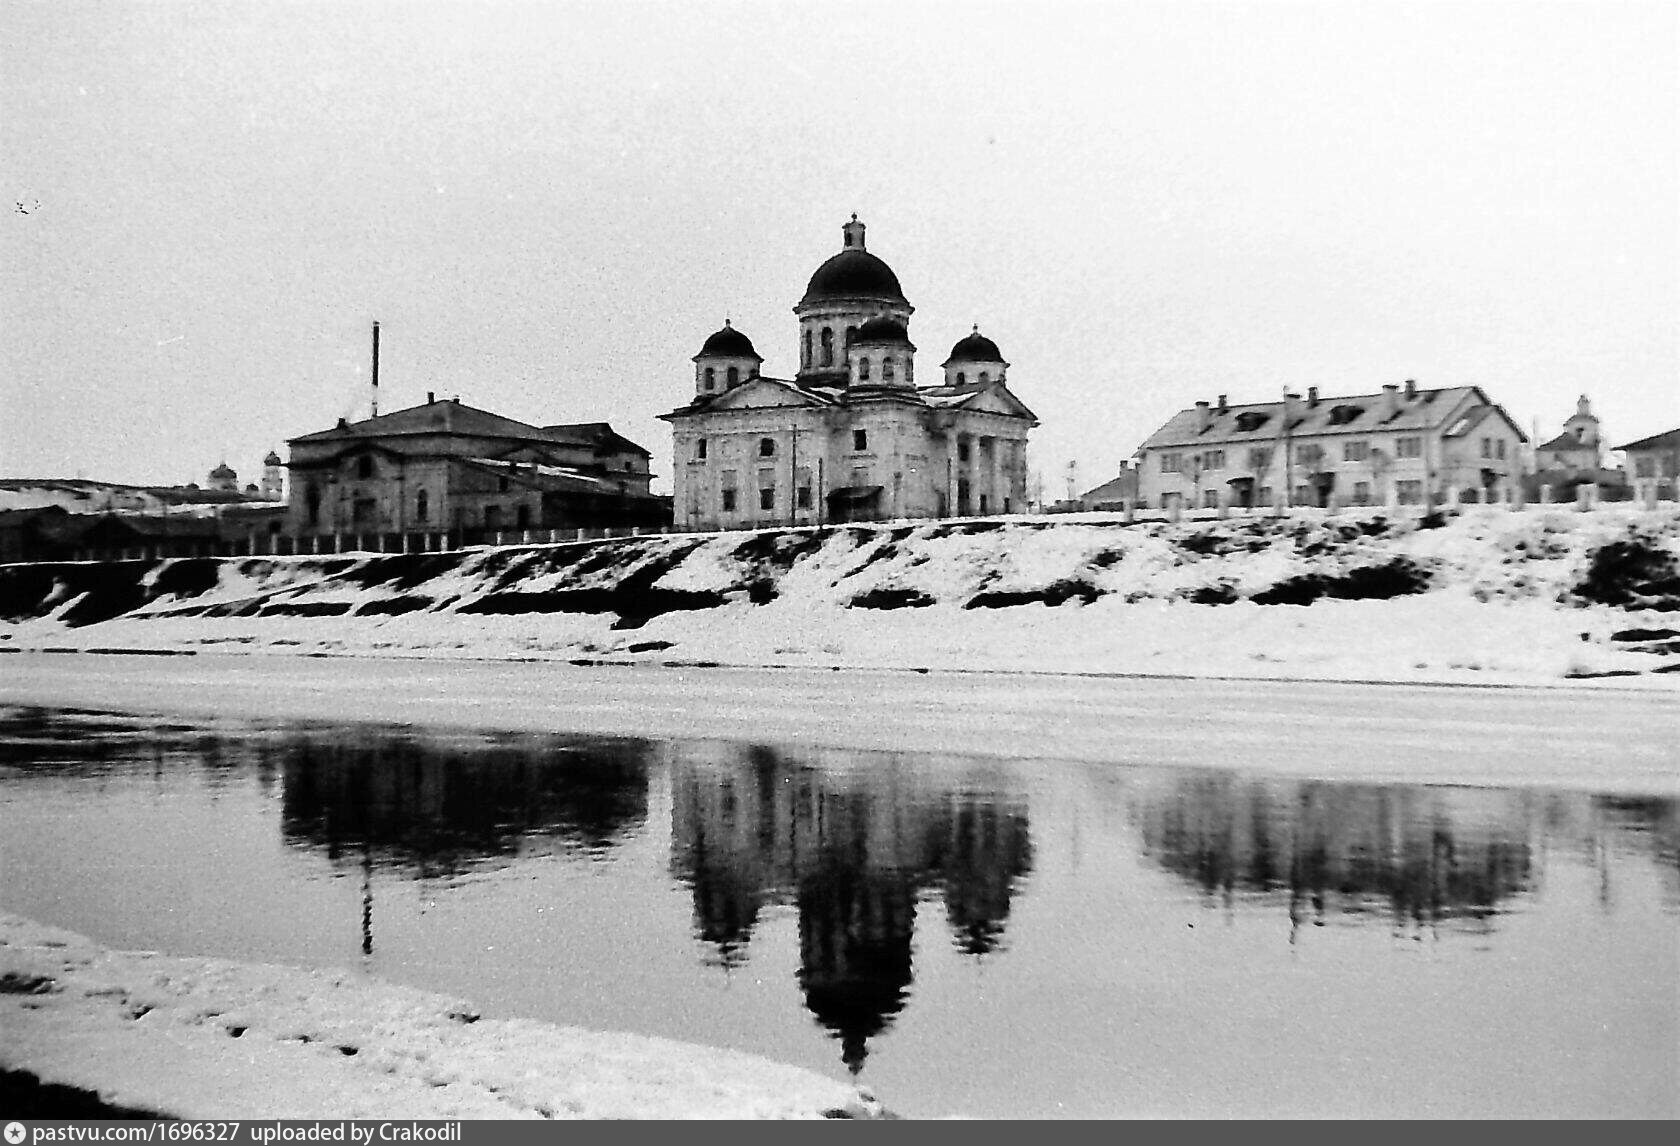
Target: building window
column 1644, row 465
column 828, row 346
column 1171, row 462
column 711, row 378
column 909, row 370
column 1259, row 460
column 863, row 369
column 364, row 467
column 985, row 504
column 1309, row 455
column 1303, row 495
column 860, row 439
column 962, row 379
column 1499, row 449
column 727, row 493
column 887, row 374
column 699, row 449
column 1408, row 447
column 312, row 502
column 805, row 356
column 767, row 447
column 1263, row 496
column 734, row 376
column 802, row 489
column 522, row 517
column 962, row 450
column 984, row 377
column 851, row 335
column 1361, row 493
column 422, row 505
column 767, row 497
column 1356, row 451
column 728, row 501
column 1210, row 499
column 1213, row 459
column 501, row 485
column 1487, row 447
column 1408, row 492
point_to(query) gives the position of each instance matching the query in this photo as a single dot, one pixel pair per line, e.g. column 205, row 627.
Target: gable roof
column 1567, row 441
column 601, row 435
column 449, row 416
column 1356, row 414
column 1667, row 440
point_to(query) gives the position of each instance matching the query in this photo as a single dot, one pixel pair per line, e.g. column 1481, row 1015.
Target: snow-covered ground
column 210, row 1038
column 1487, row 595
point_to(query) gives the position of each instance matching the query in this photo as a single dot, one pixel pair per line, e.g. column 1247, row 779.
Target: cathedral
column 851, row 437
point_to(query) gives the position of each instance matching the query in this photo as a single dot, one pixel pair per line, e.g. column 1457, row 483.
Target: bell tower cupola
column 725, row 361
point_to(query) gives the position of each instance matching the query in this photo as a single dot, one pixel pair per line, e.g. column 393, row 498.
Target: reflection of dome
column 882, row 330
column 854, row 274
column 975, row 348
column 728, row 343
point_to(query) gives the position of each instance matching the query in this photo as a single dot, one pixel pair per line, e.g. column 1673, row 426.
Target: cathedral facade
column 852, row 436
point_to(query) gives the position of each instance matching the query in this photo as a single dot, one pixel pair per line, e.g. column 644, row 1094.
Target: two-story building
column 851, row 436
column 1654, row 466
column 1400, row 446
column 447, row 466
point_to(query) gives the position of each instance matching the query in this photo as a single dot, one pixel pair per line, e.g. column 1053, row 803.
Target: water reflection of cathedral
column 854, row 843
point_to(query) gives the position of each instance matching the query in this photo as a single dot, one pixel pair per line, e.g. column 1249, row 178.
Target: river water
column 967, row 935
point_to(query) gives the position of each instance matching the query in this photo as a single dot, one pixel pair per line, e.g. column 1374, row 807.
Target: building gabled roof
column 1567, row 441
column 601, row 435
column 1357, row 414
column 1667, row 440
column 449, row 416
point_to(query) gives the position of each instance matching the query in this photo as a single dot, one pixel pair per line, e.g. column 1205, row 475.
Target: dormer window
column 734, row 375
column 1342, row 415
column 1250, row 420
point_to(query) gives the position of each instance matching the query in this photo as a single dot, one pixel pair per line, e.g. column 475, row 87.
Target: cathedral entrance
column 854, row 503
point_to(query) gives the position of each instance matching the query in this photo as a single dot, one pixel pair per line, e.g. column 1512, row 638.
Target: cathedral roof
column 223, row 471
column 273, row 459
column 854, row 274
column 975, row 348
column 729, row 343
column 882, row 329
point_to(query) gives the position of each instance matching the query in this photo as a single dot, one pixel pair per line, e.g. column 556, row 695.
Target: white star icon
column 15, row 1133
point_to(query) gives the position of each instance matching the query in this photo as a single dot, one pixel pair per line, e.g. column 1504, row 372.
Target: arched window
column 851, row 335
column 422, row 505
column 312, row 501
column 909, row 370
column 962, row 379
column 887, row 371
column 807, row 359
column 984, row 377
column 734, row 375
column 863, row 369
column 711, row 378
column 828, row 346
column 767, row 447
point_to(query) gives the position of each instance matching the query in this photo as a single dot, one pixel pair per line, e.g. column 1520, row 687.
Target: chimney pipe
column 375, row 403
column 1203, row 418
column 1411, row 389
column 1390, row 400
column 1223, row 406
column 1312, row 396
column 431, row 396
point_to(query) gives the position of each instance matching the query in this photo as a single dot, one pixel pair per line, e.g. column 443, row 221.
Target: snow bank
column 1488, row 594
column 210, row 1038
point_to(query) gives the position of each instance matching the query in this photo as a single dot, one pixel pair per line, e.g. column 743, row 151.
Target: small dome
column 273, row 459
column 854, row 274
column 224, row 471
column 882, row 330
column 975, row 348
column 728, row 343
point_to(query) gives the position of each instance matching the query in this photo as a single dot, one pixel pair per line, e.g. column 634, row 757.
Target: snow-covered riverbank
column 211, row 1038
column 1486, row 595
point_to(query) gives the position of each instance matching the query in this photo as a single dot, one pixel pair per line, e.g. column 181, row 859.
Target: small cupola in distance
column 883, row 355
column 974, row 359
column 726, row 360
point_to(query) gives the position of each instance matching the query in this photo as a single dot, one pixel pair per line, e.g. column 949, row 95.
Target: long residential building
column 1403, row 445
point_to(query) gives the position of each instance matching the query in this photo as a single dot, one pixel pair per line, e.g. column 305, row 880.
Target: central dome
column 854, row 274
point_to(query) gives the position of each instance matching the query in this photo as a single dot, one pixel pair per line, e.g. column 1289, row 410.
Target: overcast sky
column 550, row 206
